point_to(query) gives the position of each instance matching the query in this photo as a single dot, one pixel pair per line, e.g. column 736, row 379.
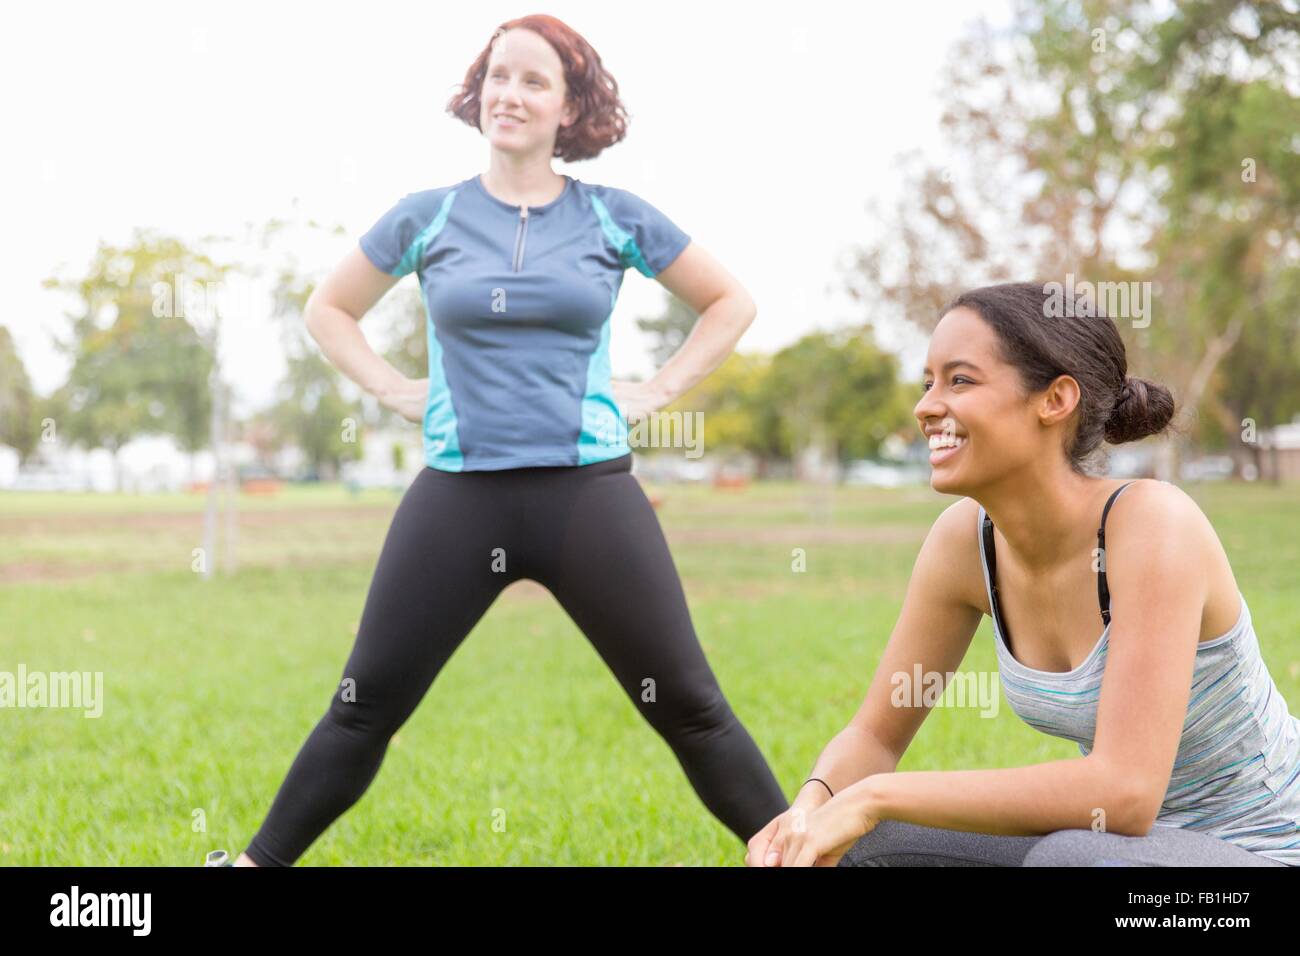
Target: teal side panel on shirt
column 441, row 434
column 629, row 253
column 415, row 251
column 604, row 432
column 441, row 437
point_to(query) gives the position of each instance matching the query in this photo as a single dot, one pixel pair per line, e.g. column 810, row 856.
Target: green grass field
column 210, row 687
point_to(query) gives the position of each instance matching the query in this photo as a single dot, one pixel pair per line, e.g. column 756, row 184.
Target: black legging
column 589, row 535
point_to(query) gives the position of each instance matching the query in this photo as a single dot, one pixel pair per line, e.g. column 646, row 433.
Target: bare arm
column 333, row 314
column 934, row 629
column 725, row 311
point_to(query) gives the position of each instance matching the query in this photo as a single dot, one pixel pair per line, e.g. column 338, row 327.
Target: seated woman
column 1189, row 756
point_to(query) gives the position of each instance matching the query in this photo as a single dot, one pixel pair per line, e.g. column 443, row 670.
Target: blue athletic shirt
column 518, row 303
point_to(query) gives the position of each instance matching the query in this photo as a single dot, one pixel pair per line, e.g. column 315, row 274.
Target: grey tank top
column 1237, row 771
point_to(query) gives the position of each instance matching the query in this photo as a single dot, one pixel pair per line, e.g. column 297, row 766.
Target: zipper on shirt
column 521, row 234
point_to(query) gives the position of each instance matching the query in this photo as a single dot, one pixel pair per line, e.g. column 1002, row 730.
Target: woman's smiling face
column 978, row 419
column 524, row 96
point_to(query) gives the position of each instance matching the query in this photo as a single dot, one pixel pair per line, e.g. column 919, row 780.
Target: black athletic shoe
column 218, row 858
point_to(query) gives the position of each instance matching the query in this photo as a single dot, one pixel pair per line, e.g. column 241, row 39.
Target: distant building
column 1279, row 453
column 148, row 463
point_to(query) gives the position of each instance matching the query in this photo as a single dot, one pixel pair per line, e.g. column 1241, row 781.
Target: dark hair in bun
column 1087, row 346
column 1142, row 408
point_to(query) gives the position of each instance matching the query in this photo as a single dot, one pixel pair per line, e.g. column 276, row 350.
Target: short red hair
column 602, row 119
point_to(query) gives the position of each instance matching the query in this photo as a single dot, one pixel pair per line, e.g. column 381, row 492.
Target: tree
column 1109, row 140
column 668, row 330
column 835, row 391
column 731, row 401
column 313, row 412
column 19, row 425
column 311, row 409
column 406, row 331
column 1231, row 198
column 139, row 365
column 405, row 325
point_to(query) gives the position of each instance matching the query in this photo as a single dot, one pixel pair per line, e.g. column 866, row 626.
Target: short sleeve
column 658, row 239
column 389, row 241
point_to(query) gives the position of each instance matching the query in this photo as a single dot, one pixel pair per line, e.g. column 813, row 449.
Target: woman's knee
column 360, row 718
column 890, row 843
column 699, row 715
column 1162, row 846
column 1079, row 847
column 898, row 843
column 1100, row 848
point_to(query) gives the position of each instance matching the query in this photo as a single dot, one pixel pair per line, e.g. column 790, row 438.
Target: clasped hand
column 811, row 837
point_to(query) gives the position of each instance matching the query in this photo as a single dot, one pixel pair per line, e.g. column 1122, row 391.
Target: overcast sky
column 762, row 130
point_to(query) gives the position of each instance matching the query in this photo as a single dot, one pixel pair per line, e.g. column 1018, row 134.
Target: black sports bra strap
column 990, row 556
column 1103, row 591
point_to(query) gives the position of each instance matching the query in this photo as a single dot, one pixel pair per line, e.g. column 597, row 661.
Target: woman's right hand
column 771, row 839
column 408, row 398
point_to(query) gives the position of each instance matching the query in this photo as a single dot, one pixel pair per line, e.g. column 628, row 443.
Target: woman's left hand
column 637, row 399
column 829, row 832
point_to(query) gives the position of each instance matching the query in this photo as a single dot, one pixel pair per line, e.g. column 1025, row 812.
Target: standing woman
column 528, row 471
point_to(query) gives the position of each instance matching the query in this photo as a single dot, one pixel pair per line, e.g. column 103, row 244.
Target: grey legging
column 894, row 843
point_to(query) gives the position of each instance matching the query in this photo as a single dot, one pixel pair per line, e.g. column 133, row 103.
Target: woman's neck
column 1048, row 516
column 522, row 180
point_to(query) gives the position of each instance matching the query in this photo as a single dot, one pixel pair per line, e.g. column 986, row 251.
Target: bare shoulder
column 1153, row 506
column 959, row 517
column 951, row 553
column 1157, row 525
